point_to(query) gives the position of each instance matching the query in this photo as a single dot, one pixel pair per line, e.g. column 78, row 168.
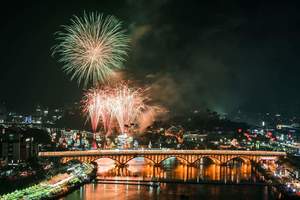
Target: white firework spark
column 92, row 48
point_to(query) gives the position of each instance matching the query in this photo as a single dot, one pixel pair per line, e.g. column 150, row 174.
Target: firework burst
column 92, row 48
column 117, row 107
column 127, row 105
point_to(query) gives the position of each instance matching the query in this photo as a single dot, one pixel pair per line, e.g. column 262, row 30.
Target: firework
column 92, row 108
column 92, row 48
column 96, row 106
column 127, row 106
column 119, row 107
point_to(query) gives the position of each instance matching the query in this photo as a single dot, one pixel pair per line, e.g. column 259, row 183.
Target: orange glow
column 104, row 165
column 139, row 169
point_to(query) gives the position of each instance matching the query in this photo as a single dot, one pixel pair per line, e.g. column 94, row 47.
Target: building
column 17, row 146
column 11, row 146
column 3, row 113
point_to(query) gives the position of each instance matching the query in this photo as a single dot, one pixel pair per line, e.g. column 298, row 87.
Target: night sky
column 223, row 55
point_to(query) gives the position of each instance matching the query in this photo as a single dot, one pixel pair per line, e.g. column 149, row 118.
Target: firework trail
column 117, row 107
column 96, row 106
column 127, row 105
column 93, row 108
column 92, row 48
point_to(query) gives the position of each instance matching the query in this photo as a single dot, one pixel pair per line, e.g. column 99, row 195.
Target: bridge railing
column 157, row 152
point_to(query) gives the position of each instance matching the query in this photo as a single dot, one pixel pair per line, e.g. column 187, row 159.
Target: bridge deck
column 159, row 152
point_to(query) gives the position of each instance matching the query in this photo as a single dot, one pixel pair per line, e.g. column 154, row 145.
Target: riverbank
column 56, row 186
column 16, row 176
column 278, row 185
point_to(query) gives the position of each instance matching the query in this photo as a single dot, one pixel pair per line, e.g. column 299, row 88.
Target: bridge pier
column 157, row 165
column 192, row 165
column 122, row 165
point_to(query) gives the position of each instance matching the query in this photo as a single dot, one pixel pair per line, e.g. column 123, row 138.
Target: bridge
column 189, row 157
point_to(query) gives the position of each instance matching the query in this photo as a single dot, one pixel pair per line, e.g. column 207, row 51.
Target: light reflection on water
column 172, row 170
column 98, row 191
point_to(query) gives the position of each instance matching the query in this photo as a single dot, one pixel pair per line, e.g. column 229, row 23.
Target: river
column 176, row 181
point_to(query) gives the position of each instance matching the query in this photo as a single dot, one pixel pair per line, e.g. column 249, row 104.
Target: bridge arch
column 180, row 158
column 108, row 157
column 145, row 157
column 244, row 159
column 213, row 159
column 89, row 159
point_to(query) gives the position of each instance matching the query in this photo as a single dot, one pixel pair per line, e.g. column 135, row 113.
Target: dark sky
column 225, row 55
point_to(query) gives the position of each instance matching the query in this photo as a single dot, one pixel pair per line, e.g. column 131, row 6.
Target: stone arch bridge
column 189, row 157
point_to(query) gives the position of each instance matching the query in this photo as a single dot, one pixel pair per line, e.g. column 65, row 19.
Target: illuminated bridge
column 190, row 157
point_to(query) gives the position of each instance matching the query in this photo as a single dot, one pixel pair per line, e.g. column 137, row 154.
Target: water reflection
column 132, row 182
column 174, row 170
column 96, row 191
